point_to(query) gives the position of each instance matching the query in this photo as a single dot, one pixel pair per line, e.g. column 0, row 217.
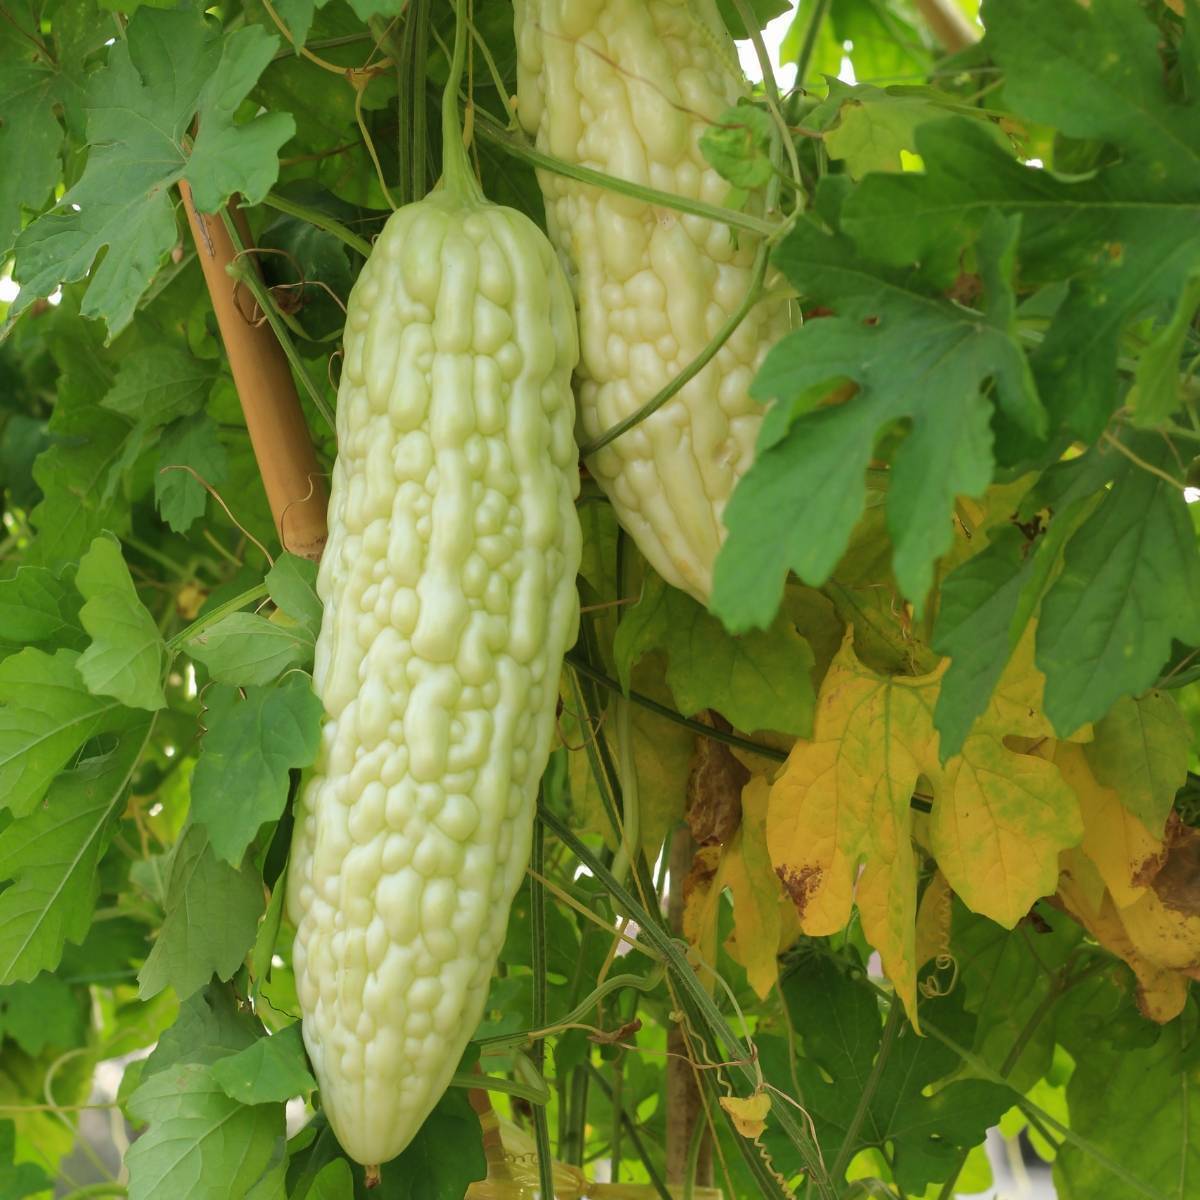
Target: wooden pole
column 278, row 432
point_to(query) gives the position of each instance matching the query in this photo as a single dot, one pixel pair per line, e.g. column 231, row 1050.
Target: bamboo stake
column 947, row 23
column 278, row 432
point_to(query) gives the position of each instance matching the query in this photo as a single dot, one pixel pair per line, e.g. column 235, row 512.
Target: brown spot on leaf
column 1177, row 881
column 800, row 885
column 714, row 786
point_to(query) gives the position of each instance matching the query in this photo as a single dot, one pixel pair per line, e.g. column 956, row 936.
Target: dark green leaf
column 923, row 1124
column 1128, row 586
column 188, row 443
column 168, row 69
column 38, row 606
column 916, row 358
column 30, row 137
column 761, row 680
column 43, row 1012
column 1138, row 1106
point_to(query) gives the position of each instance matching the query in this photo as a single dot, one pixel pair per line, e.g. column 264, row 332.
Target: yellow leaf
column 702, row 902
column 839, row 823
column 744, row 867
column 749, row 1113
column 1123, row 849
column 1162, row 992
column 933, row 920
column 1000, row 819
column 757, row 928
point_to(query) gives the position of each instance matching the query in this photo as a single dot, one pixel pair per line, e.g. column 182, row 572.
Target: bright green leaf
column 125, row 658
column 212, row 914
column 200, row 1143
column 255, row 741
column 247, row 649
column 47, row 715
column 52, row 857
column 272, row 1069
column 292, row 582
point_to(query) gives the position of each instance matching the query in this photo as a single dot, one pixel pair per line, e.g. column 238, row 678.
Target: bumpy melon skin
column 628, row 87
column 449, row 590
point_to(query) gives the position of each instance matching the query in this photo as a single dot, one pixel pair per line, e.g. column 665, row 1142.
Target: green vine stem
column 727, row 330
column 491, row 129
column 743, row 1063
column 321, row 220
column 198, row 626
column 575, row 661
column 895, row 1020
column 815, row 20
column 537, row 920
column 1027, row 1106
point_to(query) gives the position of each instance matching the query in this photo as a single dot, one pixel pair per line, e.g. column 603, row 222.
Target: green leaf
column 38, row 606
column 1006, row 976
column 256, row 741
column 52, row 858
column 839, row 1025
column 333, row 1182
column 18, row 1180
column 1138, row 1106
column 292, row 583
column 200, row 1143
column 738, row 146
column 272, row 1069
column 76, row 504
column 1156, row 395
column 985, row 606
column 915, row 358
column 1140, row 748
column 159, row 384
column 125, row 658
column 47, row 716
column 30, row 137
column 1128, row 586
column 210, row 1025
column 169, row 69
column 43, row 1012
column 268, row 933
column 247, row 649
column 212, row 914
column 761, row 680
column 444, row 1158
column 874, row 126
column 189, row 442
column 1126, row 235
